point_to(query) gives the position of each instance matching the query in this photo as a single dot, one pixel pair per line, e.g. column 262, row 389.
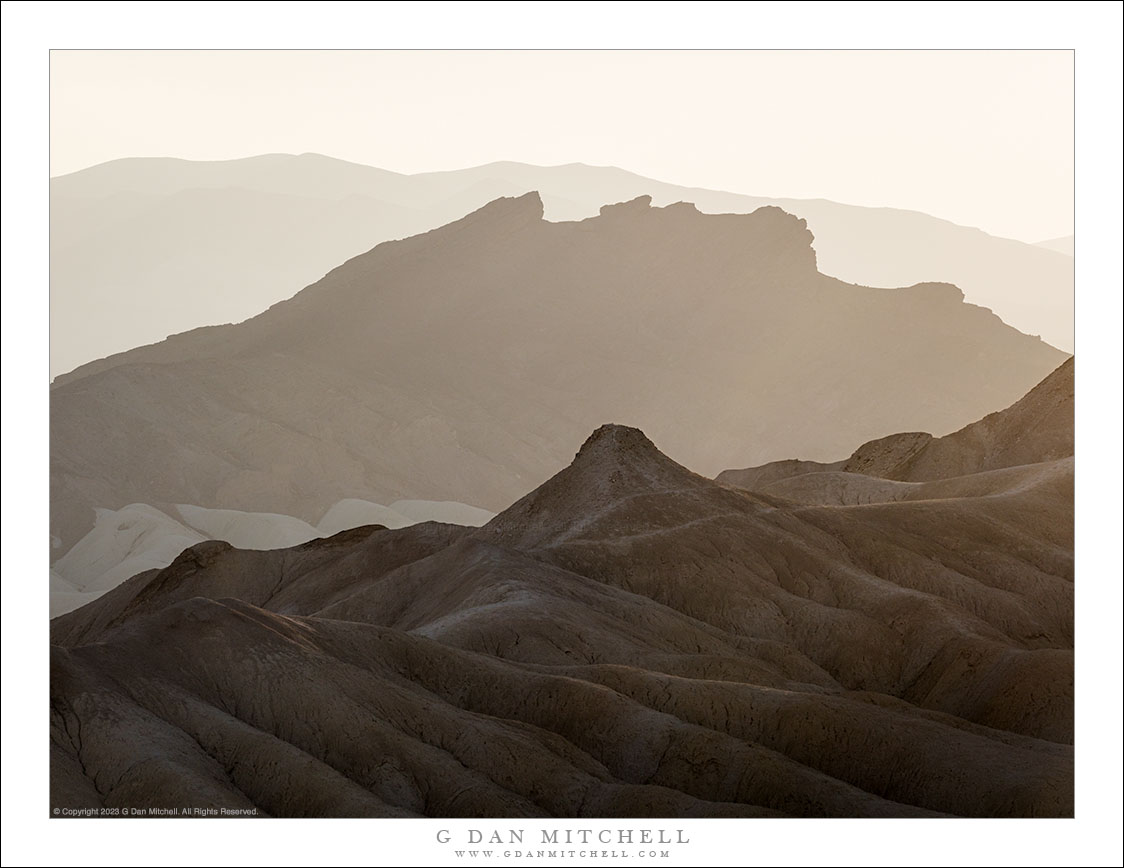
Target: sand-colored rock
column 1039, row 427
column 629, row 639
column 462, row 364
column 1035, row 429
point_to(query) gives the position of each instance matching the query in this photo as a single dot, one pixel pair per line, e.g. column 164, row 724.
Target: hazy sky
column 983, row 138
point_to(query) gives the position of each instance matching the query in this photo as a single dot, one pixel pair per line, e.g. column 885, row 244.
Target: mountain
column 141, row 537
column 1060, row 245
column 629, row 639
column 458, row 364
column 144, row 248
column 1037, row 428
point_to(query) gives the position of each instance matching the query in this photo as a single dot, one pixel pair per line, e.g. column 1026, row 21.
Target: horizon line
column 577, row 163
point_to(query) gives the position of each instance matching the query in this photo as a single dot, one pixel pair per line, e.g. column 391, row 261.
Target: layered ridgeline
column 1031, row 437
column 139, row 537
column 142, row 248
column 460, row 365
column 628, row 639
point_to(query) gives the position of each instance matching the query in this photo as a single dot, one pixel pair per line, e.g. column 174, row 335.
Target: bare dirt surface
column 629, row 639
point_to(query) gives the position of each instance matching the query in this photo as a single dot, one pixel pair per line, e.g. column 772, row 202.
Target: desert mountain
column 457, row 365
column 1036, row 429
column 143, row 248
column 1061, row 245
column 628, row 639
column 141, row 537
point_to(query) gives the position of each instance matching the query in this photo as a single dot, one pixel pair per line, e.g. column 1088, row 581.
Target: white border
column 1092, row 29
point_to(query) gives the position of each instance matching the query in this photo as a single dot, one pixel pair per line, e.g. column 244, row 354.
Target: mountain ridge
column 453, row 365
column 239, row 249
column 1037, row 428
column 629, row 639
column 516, row 165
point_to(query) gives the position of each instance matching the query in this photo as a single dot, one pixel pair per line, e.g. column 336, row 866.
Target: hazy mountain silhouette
column 143, row 248
column 628, row 639
column 458, row 364
column 1060, row 245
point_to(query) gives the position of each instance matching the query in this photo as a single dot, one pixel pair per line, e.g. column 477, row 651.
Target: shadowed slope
column 628, row 639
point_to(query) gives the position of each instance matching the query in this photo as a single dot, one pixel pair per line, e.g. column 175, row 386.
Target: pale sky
column 983, row 138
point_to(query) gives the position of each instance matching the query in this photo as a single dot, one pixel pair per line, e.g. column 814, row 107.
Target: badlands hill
column 459, row 365
column 1037, row 429
column 143, row 248
column 141, row 537
column 628, row 639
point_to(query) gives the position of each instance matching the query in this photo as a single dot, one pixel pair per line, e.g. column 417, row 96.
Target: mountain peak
column 640, row 203
column 619, row 440
column 625, row 458
column 616, row 465
column 529, row 206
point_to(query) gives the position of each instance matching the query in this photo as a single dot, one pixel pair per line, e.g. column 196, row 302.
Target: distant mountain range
column 628, row 639
column 1060, row 245
column 458, row 365
column 144, row 248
